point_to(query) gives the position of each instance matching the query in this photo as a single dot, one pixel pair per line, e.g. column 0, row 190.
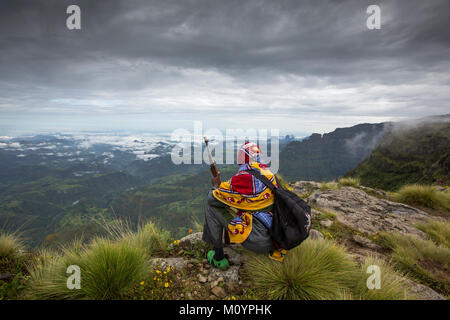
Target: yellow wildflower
column 142, row 283
column 166, row 284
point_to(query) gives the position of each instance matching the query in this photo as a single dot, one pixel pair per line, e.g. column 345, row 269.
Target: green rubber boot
column 221, row 264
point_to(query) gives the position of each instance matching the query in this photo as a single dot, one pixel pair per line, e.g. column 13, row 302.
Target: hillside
column 39, row 208
column 331, row 155
column 352, row 229
column 409, row 153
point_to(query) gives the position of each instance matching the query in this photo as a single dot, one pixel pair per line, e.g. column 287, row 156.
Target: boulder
column 163, row 263
column 192, row 238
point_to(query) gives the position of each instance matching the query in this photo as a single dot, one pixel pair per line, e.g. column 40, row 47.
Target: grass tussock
column 332, row 185
column 438, row 231
column 10, row 246
column 313, row 270
column 423, row 195
column 148, row 236
column 108, row 270
column 110, row 267
column 393, row 285
column 423, row 259
column 349, row 182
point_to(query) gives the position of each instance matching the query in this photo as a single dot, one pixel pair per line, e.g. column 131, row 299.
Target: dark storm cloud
column 288, row 57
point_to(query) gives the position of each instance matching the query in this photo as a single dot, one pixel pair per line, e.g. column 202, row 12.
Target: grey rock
column 361, row 211
column 315, row 235
column 377, row 192
column 192, row 238
column 163, row 263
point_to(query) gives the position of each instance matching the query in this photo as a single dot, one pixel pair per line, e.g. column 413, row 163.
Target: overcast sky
column 299, row 66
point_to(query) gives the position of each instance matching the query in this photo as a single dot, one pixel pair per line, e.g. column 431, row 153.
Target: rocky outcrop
column 303, row 188
column 368, row 214
column 199, row 275
column 422, row 292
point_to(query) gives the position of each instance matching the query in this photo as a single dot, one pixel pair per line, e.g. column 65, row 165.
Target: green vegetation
column 422, row 259
column 423, row 196
column 60, row 205
column 148, row 236
column 111, row 266
column 438, row 231
column 321, row 270
column 408, row 155
column 12, row 262
column 393, row 285
column 10, row 246
column 350, row 182
column 109, row 270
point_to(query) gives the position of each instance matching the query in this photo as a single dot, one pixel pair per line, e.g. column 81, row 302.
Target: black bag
column 291, row 220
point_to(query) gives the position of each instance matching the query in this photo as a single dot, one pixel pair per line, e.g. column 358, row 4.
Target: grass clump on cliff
column 10, row 246
column 108, row 270
column 438, row 231
column 148, row 236
column 318, row 270
column 332, row 185
column 110, row 267
column 349, row 182
column 393, row 285
column 424, row 196
column 423, row 259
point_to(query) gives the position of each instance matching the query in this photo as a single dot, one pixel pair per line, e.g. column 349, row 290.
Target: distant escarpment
column 409, row 153
column 329, row 156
